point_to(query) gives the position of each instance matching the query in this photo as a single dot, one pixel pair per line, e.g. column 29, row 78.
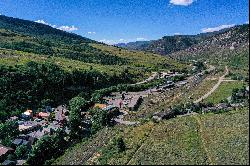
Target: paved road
column 221, row 79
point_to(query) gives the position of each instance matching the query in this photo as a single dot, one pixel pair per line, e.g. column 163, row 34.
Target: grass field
column 82, row 151
column 201, row 139
column 222, row 139
column 226, row 137
column 142, row 59
column 224, row 91
column 172, row 142
column 203, row 88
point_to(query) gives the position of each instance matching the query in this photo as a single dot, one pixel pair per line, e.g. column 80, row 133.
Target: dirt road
column 152, row 77
column 221, row 79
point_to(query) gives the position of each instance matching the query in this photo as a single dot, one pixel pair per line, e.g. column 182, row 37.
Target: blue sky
column 114, row 21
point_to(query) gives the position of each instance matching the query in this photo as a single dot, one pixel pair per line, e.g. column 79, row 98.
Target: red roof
column 43, row 114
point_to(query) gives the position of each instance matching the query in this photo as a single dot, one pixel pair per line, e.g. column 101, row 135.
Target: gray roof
column 59, row 116
column 36, row 134
column 20, row 162
column 108, row 108
column 17, row 141
column 25, row 142
column 8, row 162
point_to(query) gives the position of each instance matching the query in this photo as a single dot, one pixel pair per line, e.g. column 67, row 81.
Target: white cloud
column 205, row 30
column 92, row 33
column 141, row 39
column 182, row 2
column 68, row 28
column 109, row 42
column 63, row 27
column 247, row 22
column 42, row 22
column 122, row 40
column 116, row 41
column 177, row 33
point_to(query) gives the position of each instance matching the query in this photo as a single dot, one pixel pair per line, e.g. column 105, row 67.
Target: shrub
column 121, row 145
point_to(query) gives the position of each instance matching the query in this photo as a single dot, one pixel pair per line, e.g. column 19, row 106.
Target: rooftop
column 4, row 149
column 101, row 106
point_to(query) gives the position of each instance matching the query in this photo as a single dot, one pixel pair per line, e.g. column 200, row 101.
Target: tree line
column 27, row 86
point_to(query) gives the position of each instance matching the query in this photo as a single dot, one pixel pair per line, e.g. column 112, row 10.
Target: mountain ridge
column 170, row 44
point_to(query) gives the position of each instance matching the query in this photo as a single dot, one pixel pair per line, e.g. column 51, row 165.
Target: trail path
column 201, row 131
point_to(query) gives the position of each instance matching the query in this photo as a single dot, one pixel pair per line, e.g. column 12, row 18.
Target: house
column 4, row 152
column 23, row 139
column 48, row 129
column 36, row 135
column 28, row 126
column 13, row 118
column 109, row 108
column 237, row 105
column 43, row 115
column 100, row 106
column 20, row 162
column 60, row 117
column 27, row 114
column 17, row 142
column 9, row 162
column 60, row 114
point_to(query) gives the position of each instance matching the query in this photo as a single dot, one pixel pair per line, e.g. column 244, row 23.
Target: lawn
column 224, row 91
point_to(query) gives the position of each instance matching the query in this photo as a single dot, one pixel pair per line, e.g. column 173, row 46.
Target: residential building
column 27, row 114
column 4, row 152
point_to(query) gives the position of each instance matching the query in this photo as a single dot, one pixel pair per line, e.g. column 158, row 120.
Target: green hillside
column 39, row 63
column 200, row 139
